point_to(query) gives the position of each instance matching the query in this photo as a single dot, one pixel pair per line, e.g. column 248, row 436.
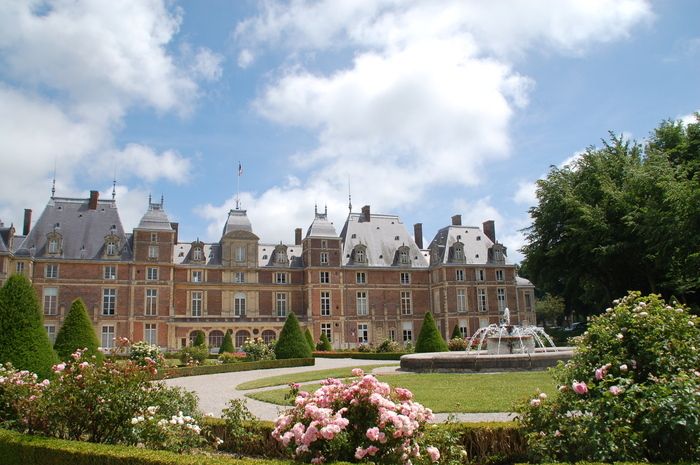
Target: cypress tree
column 456, row 333
column 429, row 339
column 23, row 339
column 310, row 339
column 292, row 343
column 199, row 339
column 227, row 344
column 77, row 333
column 324, row 344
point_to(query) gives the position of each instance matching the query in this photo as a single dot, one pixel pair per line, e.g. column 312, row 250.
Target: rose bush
column 144, row 354
column 631, row 392
column 257, row 349
column 364, row 420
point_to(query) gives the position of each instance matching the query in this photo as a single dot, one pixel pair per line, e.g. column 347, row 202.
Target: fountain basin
column 464, row 362
column 502, row 345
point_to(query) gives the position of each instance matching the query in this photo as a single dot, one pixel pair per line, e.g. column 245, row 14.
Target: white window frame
column 109, row 272
column 281, row 305
column 197, row 254
column 51, row 271
column 362, row 333
column 480, row 274
column 50, row 300
column 153, row 252
column 281, row 277
column 107, row 336
column 461, row 300
column 196, row 303
column 482, row 299
column 361, row 303
column 52, row 246
column 361, row 277
column 407, row 335
column 406, row 303
column 111, row 248
column 459, row 274
column 325, row 303
column 323, row 258
column 239, row 277
column 501, row 298
column 240, row 253
column 326, row 328
column 324, row 277
column 239, row 304
column 197, row 276
column 150, row 333
column 51, row 333
column 500, row 275
column 151, row 303
column 405, row 278
column 152, row 273
column 109, row 301
column 19, row 267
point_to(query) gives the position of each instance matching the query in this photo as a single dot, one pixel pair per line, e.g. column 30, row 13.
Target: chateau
column 370, row 282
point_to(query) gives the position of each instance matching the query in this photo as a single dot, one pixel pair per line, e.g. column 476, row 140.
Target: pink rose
column 535, row 402
column 373, row 434
column 371, row 450
column 59, row 368
column 358, row 372
column 615, row 390
column 434, row 453
column 360, row 453
column 599, row 374
column 579, row 387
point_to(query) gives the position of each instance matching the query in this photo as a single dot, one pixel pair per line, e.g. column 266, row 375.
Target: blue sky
column 426, row 109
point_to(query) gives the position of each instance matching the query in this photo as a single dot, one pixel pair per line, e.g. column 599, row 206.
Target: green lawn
column 466, row 393
column 307, row 376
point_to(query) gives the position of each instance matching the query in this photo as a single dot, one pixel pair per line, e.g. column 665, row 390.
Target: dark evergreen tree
column 292, row 343
column 77, row 333
column 310, row 339
column 429, row 339
column 227, row 344
column 456, row 333
column 324, row 344
column 23, row 339
column 199, row 339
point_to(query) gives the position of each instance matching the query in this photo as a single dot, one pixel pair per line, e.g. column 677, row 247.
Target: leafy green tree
column 309, row 339
column 292, row 343
column 227, row 344
column 623, row 216
column 77, row 333
column 456, row 333
column 549, row 308
column 199, row 339
column 324, row 344
column 429, row 339
column 23, row 340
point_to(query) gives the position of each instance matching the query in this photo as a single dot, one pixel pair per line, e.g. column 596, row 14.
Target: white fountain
column 505, row 338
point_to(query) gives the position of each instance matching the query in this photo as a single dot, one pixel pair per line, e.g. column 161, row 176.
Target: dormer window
column 403, row 256
column 53, row 246
column 280, row 255
column 197, row 254
column 359, row 254
column 111, row 248
column 53, row 243
column 457, row 252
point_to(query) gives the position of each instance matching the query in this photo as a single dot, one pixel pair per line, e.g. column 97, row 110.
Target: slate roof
column 476, row 244
column 237, row 221
column 182, row 254
column 155, row 219
column 522, row 282
column 266, row 252
column 382, row 235
column 82, row 230
column 321, row 227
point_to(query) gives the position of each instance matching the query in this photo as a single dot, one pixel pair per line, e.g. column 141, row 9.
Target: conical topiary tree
column 429, row 339
column 324, row 344
column 227, row 344
column 310, row 339
column 77, row 333
column 292, row 343
column 23, row 339
column 199, row 339
column 456, row 333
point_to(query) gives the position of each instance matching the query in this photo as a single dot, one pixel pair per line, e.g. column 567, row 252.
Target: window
column 459, row 275
column 51, row 332
column 197, row 276
column 463, row 330
column 51, row 271
column 151, row 302
column 197, row 298
column 481, row 299
column 152, row 274
column 111, row 248
column 459, row 252
column 197, row 254
column 239, row 277
column 324, row 244
column 325, row 303
column 499, row 275
column 407, row 335
column 359, row 254
column 324, row 258
column 281, row 278
column 216, row 338
column 461, row 300
column 361, row 303
column 324, row 277
column 109, row 301
column 110, row 272
column 405, row 278
column 150, row 335
column 107, row 337
column 50, row 300
column 501, row 297
column 52, row 246
column 19, row 267
column 268, row 336
column 406, row 303
column 361, row 277
column 404, row 256
column 392, row 334
column 154, row 237
column 362, row 333
column 281, row 304
column 153, row 252
column 241, row 337
column 480, row 274
column 239, row 304
column 326, row 329
column 528, row 302
column 239, row 253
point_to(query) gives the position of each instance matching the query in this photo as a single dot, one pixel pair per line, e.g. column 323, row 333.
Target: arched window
column 268, row 336
column 197, row 254
column 241, row 336
column 239, row 304
column 403, row 256
column 53, row 245
column 216, row 338
column 457, row 252
column 359, row 254
column 280, row 255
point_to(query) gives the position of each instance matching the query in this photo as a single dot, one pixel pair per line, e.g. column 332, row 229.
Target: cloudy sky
column 423, row 109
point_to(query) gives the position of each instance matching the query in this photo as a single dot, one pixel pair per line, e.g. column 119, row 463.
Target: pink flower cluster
column 388, row 421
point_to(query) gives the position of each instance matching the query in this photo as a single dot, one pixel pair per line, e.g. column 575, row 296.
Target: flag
column 240, row 169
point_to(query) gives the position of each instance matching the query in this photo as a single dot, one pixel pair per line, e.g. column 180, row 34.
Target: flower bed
column 196, row 370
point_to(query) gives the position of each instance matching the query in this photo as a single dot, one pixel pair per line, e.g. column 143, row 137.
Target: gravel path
column 214, row 391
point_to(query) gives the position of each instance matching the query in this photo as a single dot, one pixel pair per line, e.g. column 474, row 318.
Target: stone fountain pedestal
column 507, row 344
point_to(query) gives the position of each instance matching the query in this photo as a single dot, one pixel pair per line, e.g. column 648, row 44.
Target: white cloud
column 245, row 58
column 689, row 118
column 526, row 194
column 82, row 66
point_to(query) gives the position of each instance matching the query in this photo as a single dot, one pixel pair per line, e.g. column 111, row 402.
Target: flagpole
column 238, row 188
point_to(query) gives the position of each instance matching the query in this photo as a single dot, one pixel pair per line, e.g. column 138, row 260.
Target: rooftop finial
column 150, row 200
column 114, row 184
column 315, row 209
column 349, row 197
column 53, row 185
column 161, row 200
column 325, row 210
column 238, row 186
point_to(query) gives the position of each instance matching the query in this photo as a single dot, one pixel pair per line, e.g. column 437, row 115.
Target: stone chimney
column 490, row 230
column 176, row 228
column 27, row 221
column 418, row 234
column 297, row 236
column 365, row 213
column 92, row 204
column 457, row 220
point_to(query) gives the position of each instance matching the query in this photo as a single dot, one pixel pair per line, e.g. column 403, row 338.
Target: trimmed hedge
column 429, row 338
column 178, row 372
column 292, row 343
column 77, row 333
column 227, row 344
column 310, row 339
column 361, row 355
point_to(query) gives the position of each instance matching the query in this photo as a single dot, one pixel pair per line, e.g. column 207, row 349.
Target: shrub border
column 361, row 355
column 178, row 372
